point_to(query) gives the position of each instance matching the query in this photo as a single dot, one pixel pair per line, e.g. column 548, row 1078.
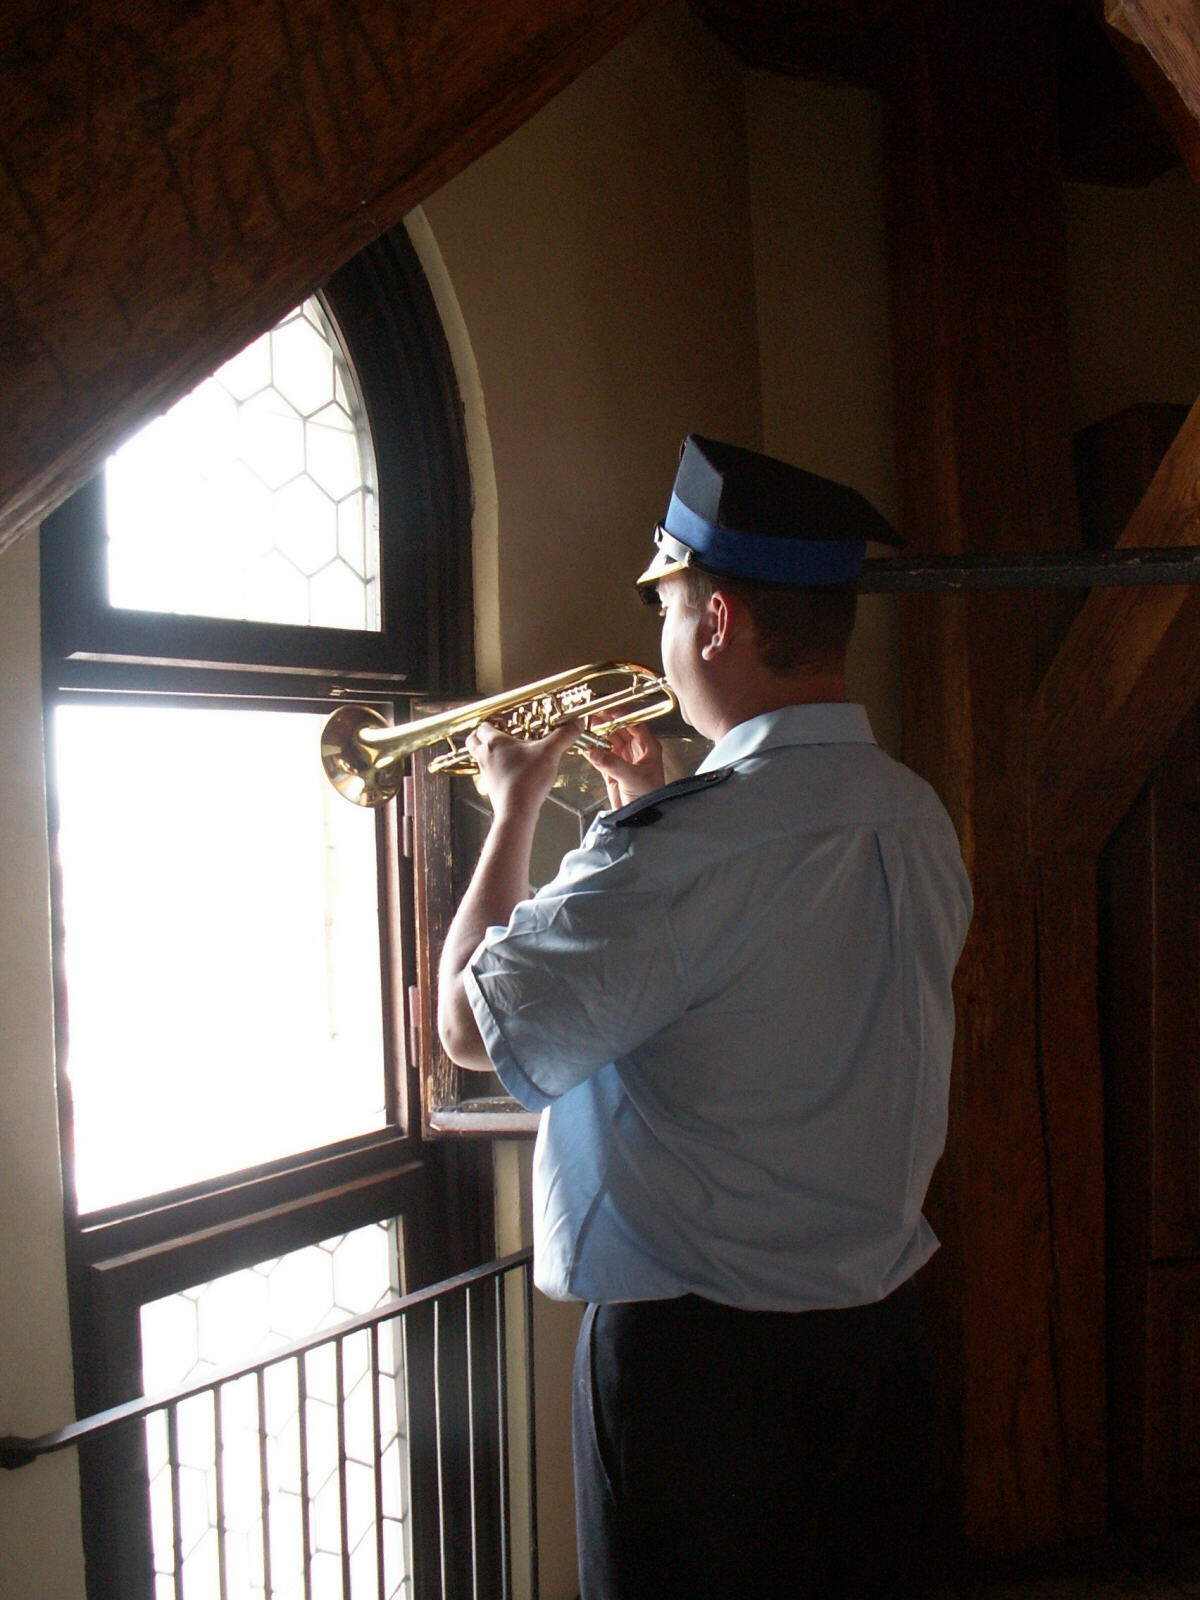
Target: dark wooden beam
column 976, row 253
column 1170, row 31
column 1048, row 569
column 175, row 178
column 1125, row 677
column 1108, row 128
column 1175, row 117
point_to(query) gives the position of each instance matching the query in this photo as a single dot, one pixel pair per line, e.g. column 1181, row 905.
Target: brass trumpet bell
column 364, row 756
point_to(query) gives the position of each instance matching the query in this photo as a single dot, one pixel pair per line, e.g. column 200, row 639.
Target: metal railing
column 392, row 1455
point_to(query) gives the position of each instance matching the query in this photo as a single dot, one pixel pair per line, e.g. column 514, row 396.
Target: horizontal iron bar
column 1048, row 569
column 16, row 1451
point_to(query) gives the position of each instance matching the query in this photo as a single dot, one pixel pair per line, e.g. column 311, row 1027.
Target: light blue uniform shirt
column 738, row 1014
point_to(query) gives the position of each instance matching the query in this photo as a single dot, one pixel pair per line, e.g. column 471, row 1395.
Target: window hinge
column 414, row 1022
column 406, row 820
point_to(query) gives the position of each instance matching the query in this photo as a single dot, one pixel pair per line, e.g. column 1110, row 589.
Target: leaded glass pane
column 254, row 498
column 577, row 796
column 243, row 1317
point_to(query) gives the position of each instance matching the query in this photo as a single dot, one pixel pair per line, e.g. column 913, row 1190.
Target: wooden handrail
column 16, row 1451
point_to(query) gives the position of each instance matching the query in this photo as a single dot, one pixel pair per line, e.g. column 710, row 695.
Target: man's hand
column 632, row 765
column 518, row 773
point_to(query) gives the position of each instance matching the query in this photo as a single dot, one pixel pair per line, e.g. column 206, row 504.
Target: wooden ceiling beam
column 176, row 178
column 1174, row 115
column 1170, row 31
column 1125, row 677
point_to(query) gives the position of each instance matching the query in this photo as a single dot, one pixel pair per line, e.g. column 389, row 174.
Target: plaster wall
column 816, row 178
column 602, row 261
column 1134, row 328
column 41, row 1555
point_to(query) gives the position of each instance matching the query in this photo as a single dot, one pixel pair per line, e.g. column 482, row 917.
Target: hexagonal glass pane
column 271, row 438
column 338, row 595
column 275, row 590
column 360, row 1261
column 305, row 523
column 353, row 535
column 244, row 1315
column 301, row 1290
column 296, row 1431
column 207, row 505
column 169, row 1327
column 302, row 364
column 331, row 454
column 248, row 372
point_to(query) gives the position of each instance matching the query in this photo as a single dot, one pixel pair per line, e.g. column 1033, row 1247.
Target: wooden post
column 977, row 262
column 1126, row 676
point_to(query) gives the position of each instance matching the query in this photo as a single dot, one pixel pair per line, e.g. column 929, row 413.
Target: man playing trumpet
column 733, row 1004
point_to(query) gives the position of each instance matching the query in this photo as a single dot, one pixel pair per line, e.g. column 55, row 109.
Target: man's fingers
column 485, row 735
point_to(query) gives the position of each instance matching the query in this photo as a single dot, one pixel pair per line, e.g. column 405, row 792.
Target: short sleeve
column 585, row 972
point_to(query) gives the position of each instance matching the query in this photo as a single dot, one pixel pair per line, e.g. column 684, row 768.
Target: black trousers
column 747, row 1455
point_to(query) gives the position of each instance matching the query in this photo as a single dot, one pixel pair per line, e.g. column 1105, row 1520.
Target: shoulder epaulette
column 640, row 813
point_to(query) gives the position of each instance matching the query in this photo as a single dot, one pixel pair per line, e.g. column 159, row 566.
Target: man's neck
column 770, row 691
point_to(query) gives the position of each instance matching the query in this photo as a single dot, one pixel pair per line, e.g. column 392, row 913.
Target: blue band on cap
column 764, row 558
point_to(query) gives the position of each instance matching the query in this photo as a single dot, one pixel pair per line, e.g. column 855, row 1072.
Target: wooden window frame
column 453, row 1102
column 384, row 310
column 122, row 1257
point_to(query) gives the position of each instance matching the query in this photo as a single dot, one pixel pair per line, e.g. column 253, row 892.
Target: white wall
column 41, row 1555
column 601, row 259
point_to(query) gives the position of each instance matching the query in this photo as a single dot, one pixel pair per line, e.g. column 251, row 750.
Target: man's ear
column 714, row 625
column 725, row 617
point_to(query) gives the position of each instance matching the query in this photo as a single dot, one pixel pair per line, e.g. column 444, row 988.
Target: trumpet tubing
column 363, row 755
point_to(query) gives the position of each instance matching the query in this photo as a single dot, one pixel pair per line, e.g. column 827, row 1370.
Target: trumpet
column 363, row 755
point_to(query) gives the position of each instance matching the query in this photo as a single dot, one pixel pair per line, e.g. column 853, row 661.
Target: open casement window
column 451, row 820
column 235, row 944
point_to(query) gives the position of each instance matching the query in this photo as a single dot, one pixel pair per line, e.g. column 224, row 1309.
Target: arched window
column 237, row 952
column 255, row 497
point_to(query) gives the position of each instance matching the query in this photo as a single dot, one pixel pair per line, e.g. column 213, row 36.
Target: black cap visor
column 672, row 555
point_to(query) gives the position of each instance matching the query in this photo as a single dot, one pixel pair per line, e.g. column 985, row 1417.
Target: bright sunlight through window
column 254, row 497
column 222, row 946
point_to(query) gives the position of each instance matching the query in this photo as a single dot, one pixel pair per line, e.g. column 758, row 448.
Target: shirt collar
column 825, row 722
